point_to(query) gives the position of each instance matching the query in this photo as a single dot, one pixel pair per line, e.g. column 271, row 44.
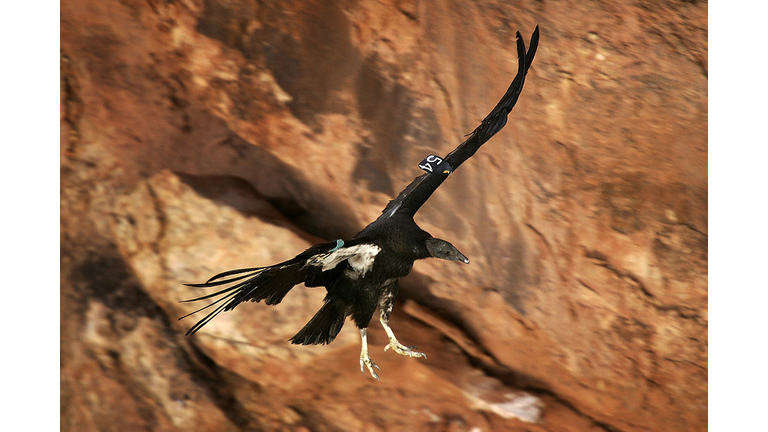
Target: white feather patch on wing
column 392, row 211
column 360, row 258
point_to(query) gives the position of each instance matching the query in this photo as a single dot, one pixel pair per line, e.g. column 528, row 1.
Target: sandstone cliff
column 203, row 135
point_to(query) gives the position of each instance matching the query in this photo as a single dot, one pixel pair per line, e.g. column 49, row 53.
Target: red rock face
column 197, row 137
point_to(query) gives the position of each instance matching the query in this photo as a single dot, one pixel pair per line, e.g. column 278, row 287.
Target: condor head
column 439, row 248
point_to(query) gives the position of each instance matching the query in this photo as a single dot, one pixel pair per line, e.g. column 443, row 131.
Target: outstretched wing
column 421, row 188
column 319, row 265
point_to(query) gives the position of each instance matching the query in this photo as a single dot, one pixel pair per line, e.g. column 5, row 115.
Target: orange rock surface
column 201, row 136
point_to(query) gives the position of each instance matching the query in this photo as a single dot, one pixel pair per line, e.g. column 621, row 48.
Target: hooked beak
column 439, row 248
column 463, row 258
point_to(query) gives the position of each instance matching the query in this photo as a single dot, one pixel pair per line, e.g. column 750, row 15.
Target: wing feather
column 318, row 266
column 421, row 188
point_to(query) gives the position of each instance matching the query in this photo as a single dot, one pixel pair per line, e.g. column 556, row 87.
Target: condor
column 362, row 273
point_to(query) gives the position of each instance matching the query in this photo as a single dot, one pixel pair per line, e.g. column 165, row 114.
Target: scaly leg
column 365, row 359
column 393, row 342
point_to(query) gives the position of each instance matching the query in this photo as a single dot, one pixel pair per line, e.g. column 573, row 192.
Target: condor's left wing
column 319, row 265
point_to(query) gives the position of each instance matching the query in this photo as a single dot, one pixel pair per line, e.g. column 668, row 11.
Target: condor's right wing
column 438, row 169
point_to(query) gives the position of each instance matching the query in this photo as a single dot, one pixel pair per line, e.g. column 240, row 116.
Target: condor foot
column 404, row 350
column 365, row 361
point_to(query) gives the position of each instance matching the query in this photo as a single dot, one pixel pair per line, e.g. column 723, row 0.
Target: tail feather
column 324, row 326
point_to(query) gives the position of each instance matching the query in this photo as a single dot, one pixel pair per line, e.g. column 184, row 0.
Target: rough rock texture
column 199, row 136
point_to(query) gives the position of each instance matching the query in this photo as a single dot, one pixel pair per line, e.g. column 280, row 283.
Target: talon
column 371, row 365
column 366, row 362
column 365, row 359
column 404, row 350
column 393, row 342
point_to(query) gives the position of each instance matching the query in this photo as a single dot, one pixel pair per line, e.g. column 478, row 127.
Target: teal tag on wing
column 339, row 243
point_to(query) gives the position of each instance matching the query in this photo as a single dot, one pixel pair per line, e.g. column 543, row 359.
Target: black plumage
column 362, row 274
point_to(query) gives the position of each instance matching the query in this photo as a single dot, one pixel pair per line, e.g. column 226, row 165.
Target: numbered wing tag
column 435, row 164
